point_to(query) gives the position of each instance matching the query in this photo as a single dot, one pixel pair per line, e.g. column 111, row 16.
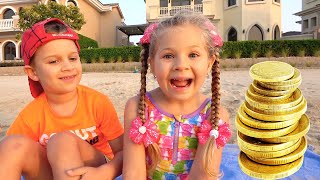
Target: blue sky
column 134, row 12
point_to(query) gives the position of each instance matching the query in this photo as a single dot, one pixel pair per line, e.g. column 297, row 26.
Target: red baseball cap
column 35, row 37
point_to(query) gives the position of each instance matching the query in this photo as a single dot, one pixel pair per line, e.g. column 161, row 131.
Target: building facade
column 236, row 20
column 309, row 17
column 101, row 22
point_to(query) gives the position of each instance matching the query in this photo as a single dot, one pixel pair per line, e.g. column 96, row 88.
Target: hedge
column 86, row 42
column 232, row 49
column 106, row 55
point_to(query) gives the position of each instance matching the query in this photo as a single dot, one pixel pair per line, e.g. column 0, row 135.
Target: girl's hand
column 88, row 173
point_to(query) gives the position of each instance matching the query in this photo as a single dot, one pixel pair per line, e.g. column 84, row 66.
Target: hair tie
column 147, row 33
column 216, row 38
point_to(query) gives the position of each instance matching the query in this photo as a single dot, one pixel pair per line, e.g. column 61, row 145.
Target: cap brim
column 35, row 88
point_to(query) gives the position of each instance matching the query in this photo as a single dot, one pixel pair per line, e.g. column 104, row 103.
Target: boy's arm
column 114, row 167
column 197, row 170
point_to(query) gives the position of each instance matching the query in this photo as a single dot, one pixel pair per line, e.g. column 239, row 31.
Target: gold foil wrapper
column 275, row 117
column 270, row 154
column 259, row 124
column 262, row 171
column 293, row 80
column 301, row 130
column 280, row 88
column 271, row 71
column 263, row 133
column 292, row 101
column 269, row 92
column 257, row 145
column 296, row 154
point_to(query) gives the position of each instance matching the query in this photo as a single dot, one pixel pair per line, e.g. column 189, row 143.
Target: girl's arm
column 197, row 170
column 134, row 157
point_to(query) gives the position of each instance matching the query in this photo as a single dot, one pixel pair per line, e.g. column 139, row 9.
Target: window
column 313, row 21
column 8, row 14
column 305, row 24
column 232, row 2
column 255, row 33
column 71, row 3
column 163, row 3
column 9, row 51
column 197, row 1
column 232, row 35
column 180, row 2
column 276, row 33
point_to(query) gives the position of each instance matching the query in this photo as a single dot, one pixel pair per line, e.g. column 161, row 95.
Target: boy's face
column 56, row 65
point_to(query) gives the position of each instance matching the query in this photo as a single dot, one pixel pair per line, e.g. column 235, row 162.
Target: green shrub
column 87, row 43
column 123, row 53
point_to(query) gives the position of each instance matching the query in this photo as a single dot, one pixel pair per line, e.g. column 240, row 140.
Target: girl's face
column 57, row 66
column 181, row 61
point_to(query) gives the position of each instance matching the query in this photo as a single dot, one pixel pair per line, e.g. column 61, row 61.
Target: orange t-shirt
column 94, row 120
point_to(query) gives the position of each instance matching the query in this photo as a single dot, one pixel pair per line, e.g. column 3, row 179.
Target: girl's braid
column 144, row 69
column 215, row 88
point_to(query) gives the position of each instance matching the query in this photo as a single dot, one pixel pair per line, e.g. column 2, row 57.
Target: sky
column 134, row 12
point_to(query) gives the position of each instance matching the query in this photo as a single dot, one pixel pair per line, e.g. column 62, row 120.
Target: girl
column 163, row 126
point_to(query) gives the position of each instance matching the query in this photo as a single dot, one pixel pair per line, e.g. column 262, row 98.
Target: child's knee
column 62, row 139
column 16, row 144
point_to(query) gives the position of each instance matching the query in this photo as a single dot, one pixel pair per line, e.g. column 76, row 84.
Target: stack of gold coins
column 271, row 123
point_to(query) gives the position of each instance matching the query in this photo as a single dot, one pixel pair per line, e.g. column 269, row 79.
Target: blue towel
column 310, row 169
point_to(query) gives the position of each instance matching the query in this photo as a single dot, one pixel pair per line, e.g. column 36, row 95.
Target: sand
column 119, row 87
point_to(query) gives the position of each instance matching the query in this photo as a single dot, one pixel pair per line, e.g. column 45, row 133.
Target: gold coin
column 287, row 103
column 263, row 133
column 280, row 88
column 268, row 92
column 270, row 154
column 266, row 117
column 258, row 124
column 296, row 154
column 295, row 78
column 301, row 130
column 256, row 145
column 285, row 111
column 263, row 98
column 271, row 71
column 262, row 171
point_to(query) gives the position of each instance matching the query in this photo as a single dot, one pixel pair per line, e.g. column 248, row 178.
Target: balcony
column 170, row 11
column 6, row 25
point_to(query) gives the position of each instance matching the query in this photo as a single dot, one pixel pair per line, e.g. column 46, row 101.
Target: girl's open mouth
column 180, row 83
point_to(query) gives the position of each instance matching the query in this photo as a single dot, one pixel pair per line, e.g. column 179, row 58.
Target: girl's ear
column 31, row 73
column 150, row 65
column 211, row 60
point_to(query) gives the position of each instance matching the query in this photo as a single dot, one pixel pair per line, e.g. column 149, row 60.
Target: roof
column 314, row 9
column 132, row 30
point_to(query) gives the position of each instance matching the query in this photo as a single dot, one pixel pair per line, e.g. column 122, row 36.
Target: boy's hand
column 88, row 173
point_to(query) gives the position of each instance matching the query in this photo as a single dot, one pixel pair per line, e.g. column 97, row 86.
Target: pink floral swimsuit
column 178, row 139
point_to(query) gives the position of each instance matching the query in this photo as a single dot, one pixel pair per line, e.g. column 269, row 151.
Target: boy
column 68, row 130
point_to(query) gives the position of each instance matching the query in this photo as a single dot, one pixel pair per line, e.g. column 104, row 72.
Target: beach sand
column 119, row 87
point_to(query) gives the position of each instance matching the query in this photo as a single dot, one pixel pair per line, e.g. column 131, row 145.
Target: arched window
column 255, row 33
column 276, row 33
column 8, row 14
column 71, row 3
column 232, row 35
column 9, row 51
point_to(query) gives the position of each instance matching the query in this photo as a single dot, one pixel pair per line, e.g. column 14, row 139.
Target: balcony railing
column 6, row 24
column 170, row 11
